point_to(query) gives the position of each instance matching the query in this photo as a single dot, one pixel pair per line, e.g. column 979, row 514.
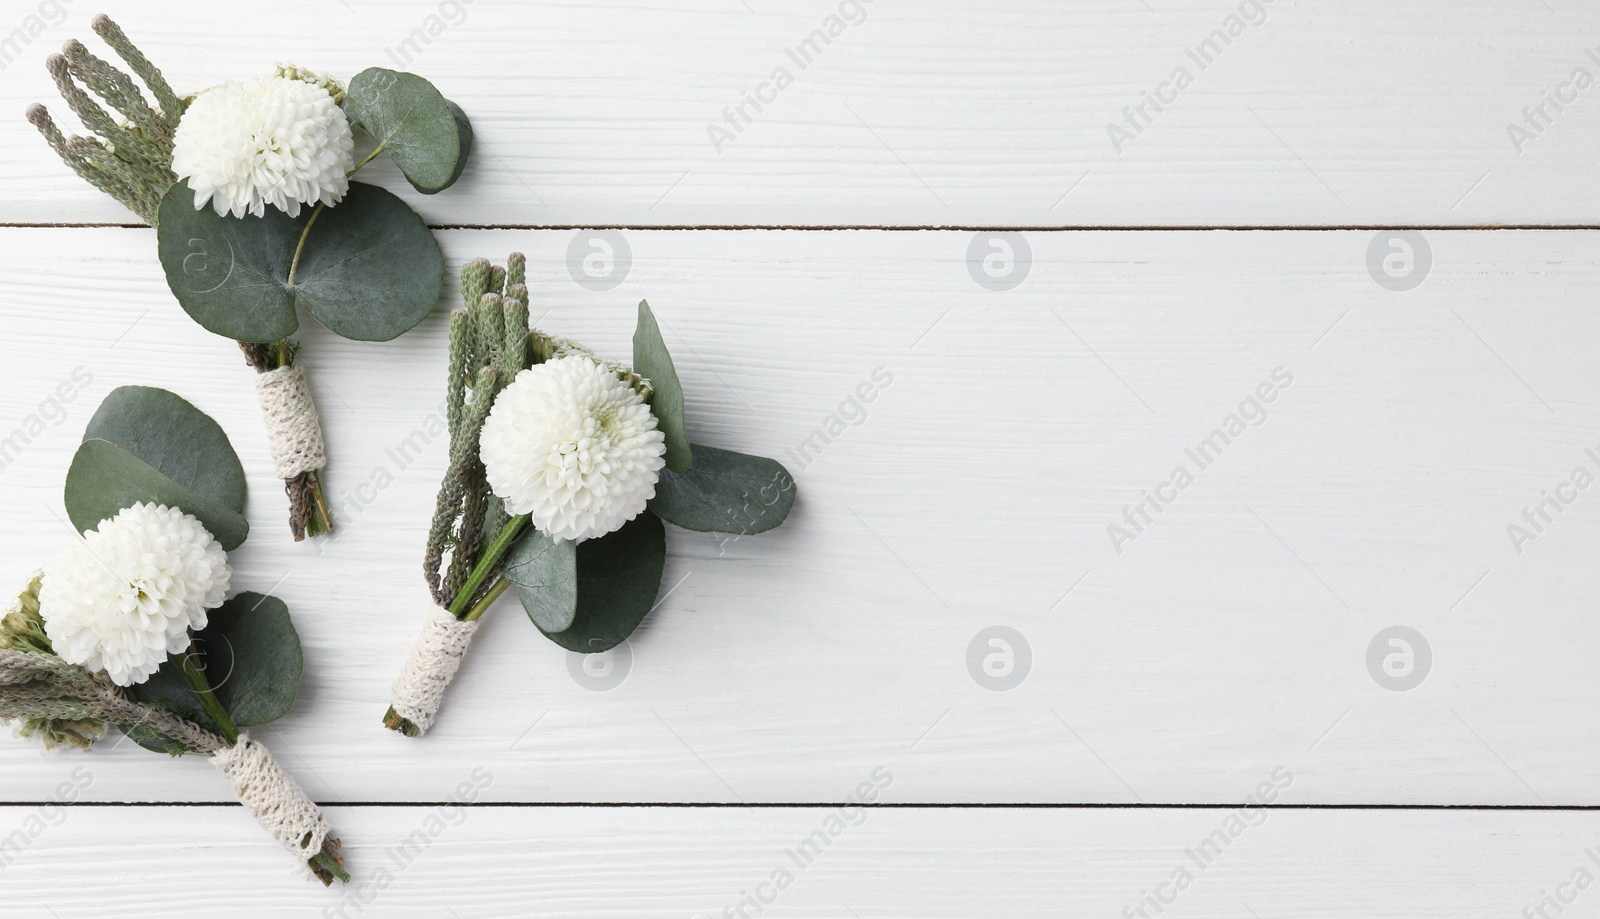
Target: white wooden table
column 1344, row 207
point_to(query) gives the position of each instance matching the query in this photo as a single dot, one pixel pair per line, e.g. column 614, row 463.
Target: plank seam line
column 907, row 228
column 829, row 805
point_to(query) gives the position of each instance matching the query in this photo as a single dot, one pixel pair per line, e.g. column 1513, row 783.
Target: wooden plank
column 933, row 113
column 867, row 864
column 1009, row 433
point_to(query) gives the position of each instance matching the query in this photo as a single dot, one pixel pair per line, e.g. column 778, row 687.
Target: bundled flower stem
column 564, row 470
column 299, row 457
column 65, row 703
column 490, row 344
column 130, row 158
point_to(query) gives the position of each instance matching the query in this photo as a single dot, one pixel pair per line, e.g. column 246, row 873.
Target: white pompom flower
column 574, row 447
column 273, row 141
column 125, row 597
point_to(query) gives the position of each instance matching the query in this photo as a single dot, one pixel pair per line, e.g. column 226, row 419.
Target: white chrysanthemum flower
column 574, row 447
column 273, row 141
column 126, row 596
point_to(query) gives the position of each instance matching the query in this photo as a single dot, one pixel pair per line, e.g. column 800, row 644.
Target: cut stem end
column 394, row 722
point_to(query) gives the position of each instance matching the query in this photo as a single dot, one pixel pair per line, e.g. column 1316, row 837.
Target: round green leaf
column 179, row 440
column 545, row 572
column 252, row 660
column 725, row 492
column 619, row 575
column 104, row 478
column 229, row 273
column 427, row 135
column 370, row 268
column 652, row 360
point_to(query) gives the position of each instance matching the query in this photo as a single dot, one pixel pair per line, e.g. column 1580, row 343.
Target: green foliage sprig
column 369, row 268
column 585, row 596
column 130, row 159
column 147, row 445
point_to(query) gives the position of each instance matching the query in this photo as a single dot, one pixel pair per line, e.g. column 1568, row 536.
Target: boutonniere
column 563, row 466
column 132, row 625
column 248, row 185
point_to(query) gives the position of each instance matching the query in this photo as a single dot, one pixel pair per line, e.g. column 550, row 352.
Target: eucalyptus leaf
column 545, row 572
column 370, row 268
column 179, row 440
column 104, row 478
column 252, row 660
column 725, row 492
column 464, row 130
column 619, row 575
column 652, row 360
column 427, row 135
column 229, row 273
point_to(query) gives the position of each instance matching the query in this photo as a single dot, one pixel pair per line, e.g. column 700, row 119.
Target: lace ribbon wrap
column 276, row 801
column 419, row 690
column 293, row 430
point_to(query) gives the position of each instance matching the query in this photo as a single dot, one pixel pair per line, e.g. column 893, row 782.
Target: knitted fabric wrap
column 293, row 430
column 419, row 691
column 274, row 798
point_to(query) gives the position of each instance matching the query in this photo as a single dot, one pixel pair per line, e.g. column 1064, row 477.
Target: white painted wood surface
column 937, row 112
column 1226, row 640
column 1226, row 644
column 884, row 864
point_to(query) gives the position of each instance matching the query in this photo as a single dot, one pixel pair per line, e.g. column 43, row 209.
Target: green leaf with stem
column 248, row 658
column 368, row 269
column 427, row 135
column 195, row 675
column 252, row 652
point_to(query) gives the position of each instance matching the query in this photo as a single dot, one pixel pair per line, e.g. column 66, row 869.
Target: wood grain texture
column 929, row 113
column 497, row 863
column 1227, row 640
